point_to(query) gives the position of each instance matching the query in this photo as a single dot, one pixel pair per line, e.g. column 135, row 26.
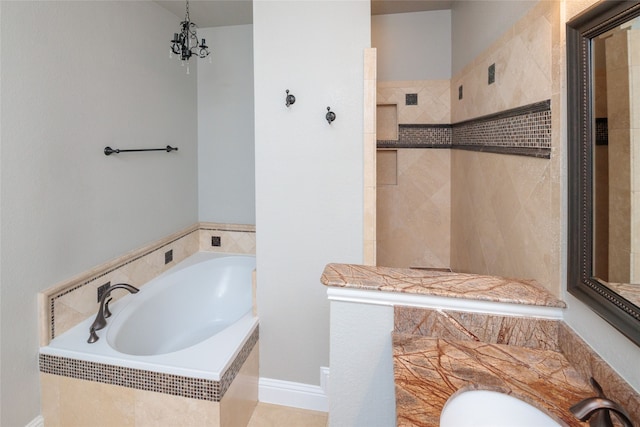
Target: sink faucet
column 598, row 410
column 103, row 312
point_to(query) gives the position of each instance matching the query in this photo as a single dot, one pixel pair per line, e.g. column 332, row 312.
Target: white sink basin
column 482, row 408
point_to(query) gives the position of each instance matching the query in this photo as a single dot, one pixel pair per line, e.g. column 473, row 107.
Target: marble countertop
column 428, row 371
column 438, row 352
column 439, row 283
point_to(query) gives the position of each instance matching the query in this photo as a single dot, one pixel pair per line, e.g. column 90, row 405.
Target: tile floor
column 267, row 415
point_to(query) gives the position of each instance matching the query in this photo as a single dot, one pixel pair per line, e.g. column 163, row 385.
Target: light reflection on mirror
column 616, row 159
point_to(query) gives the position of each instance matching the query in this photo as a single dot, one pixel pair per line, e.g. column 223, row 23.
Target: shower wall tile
column 417, row 209
column 387, row 167
column 68, row 303
column 238, row 403
column 515, row 201
column 511, row 231
column 387, row 122
column 369, row 161
column 522, row 54
column 433, row 106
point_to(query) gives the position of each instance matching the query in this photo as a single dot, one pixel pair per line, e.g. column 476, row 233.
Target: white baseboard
column 296, row 395
column 36, row 422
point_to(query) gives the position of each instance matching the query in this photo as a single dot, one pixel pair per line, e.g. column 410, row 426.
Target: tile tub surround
column 428, row 371
column 439, row 283
column 70, row 401
column 227, row 402
column 68, row 303
column 140, row 379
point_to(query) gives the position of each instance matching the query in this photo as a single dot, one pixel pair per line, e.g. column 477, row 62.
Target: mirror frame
column 619, row 312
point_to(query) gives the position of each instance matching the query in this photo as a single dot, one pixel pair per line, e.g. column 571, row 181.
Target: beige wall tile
column 370, row 252
column 158, row 409
column 369, row 219
column 267, row 415
column 70, row 402
column 369, row 152
column 387, row 167
column 387, row 122
column 370, row 106
column 371, row 64
column 413, row 217
column 87, row 403
column 232, row 241
column 241, row 398
column 522, row 54
column 501, row 217
column 433, row 101
column 148, row 262
column 50, row 398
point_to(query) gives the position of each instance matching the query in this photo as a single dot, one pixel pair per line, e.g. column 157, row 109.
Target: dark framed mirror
column 603, row 118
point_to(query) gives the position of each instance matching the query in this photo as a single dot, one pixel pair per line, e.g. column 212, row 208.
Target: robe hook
column 331, row 116
column 290, row 99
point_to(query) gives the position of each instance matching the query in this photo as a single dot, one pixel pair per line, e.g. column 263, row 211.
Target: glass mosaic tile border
column 420, row 136
column 522, row 131
column 176, row 385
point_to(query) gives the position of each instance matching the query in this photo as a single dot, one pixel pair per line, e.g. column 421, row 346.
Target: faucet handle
column 597, row 387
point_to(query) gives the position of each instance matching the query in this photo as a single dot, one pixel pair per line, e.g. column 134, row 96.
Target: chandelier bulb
column 188, row 68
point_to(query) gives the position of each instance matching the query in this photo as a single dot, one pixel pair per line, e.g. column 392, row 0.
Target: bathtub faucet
column 103, row 312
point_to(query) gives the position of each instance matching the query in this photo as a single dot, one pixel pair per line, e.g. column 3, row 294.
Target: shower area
column 465, row 179
column 413, row 137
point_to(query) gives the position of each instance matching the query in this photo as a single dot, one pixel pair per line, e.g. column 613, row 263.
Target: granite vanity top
column 438, row 353
column 428, row 371
column 439, row 283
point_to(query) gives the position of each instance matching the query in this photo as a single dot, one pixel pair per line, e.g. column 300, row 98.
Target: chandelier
column 186, row 43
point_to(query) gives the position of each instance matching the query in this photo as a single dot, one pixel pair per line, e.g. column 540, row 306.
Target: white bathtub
column 191, row 321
